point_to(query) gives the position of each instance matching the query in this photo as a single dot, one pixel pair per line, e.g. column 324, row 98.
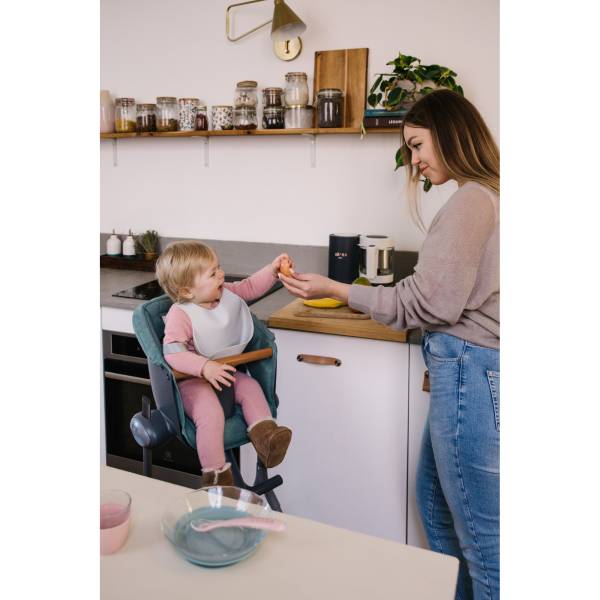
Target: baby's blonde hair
column 178, row 265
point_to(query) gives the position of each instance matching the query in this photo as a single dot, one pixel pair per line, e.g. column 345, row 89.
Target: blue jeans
column 458, row 474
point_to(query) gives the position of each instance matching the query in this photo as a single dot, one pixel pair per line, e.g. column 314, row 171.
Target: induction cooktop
column 151, row 289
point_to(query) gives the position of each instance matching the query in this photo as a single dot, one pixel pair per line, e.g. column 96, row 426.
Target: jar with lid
column 272, row 96
column 245, row 94
column 273, row 117
column 146, row 118
column 296, row 89
column 244, row 117
column 167, row 113
column 298, row 117
column 188, row 110
column 125, row 115
column 330, row 107
column 201, row 119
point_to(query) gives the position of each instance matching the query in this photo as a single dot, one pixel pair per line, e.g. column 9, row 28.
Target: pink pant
column 201, row 404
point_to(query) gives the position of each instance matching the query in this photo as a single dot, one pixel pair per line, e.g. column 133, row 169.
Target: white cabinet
column 347, row 462
column 418, row 408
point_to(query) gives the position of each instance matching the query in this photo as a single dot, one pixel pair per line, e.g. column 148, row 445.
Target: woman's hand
column 215, row 373
column 276, row 264
column 311, row 285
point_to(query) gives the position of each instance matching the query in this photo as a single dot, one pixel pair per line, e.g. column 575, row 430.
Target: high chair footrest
column 268, row 485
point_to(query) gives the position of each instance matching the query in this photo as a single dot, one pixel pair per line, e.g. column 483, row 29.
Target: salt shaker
column 113, row 245
column 129, row 245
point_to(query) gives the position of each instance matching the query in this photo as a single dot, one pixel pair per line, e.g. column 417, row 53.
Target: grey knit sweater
column 455, row 288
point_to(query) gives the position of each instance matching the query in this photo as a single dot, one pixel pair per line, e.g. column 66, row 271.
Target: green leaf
column 372, row 99
column 385, row 84
column 427, row 185
column 377, row 82
column 395, row 96
column 460, row 90
column 379, row 97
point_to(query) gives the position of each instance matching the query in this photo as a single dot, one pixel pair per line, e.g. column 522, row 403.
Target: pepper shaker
column 129, row 245
column 113, row 245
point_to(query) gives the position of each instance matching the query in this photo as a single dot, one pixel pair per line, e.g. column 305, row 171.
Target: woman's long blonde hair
column 461, row 140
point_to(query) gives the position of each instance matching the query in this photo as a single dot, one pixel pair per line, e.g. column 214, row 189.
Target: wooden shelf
column 242, row 132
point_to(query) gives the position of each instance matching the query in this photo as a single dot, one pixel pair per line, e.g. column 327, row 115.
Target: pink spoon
column 250, row 522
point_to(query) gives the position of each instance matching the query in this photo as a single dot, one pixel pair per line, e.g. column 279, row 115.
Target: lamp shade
column 287, row 25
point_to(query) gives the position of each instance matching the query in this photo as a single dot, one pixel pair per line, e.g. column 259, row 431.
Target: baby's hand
column 283, row 264
column 215, row 373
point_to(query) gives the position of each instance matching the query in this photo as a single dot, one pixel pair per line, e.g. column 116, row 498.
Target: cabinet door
column 346, row 465
column 418, row 408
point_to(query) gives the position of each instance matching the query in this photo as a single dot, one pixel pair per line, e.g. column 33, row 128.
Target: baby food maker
column 376, row 258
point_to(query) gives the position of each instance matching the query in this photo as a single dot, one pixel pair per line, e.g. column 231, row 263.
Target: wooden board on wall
column 346, row 70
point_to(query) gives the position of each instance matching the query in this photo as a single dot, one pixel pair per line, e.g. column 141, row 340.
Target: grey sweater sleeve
column 446, row 272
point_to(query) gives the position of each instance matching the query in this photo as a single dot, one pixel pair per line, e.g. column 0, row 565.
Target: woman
column 453, row 296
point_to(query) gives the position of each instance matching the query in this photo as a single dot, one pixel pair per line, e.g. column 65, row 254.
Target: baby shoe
column 270, row 441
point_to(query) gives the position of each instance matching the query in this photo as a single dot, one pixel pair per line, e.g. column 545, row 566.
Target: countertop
column 308, row 560
column 277, row 305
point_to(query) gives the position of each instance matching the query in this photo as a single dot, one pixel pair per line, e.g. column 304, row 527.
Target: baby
column 210, row 319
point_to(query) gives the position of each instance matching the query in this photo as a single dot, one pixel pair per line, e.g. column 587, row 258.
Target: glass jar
column 296, row 89
column 107, row 112
column 298, row 117
column 146, row 118
column 272, row 96
column 167, row 113
column 245, row 94
column 222, row 117
column 329, row 107
column 244, row 117
column 125, row 115
column 188, row 109
column 201, row 119
column 273, row 117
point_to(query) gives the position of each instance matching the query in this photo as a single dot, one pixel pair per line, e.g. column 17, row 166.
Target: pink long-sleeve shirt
column 178, row 326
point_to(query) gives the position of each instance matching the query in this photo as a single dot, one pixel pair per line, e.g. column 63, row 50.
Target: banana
column 324, row 303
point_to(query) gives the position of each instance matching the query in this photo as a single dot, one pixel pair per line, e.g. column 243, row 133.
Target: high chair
column 154, row 427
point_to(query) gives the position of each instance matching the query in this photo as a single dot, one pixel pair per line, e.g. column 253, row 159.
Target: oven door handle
column 126, row 378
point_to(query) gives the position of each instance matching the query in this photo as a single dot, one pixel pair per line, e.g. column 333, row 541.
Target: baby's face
column 207, row 287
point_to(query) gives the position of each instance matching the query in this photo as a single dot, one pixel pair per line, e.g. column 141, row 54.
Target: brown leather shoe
column 270, row 441
column 224, row 477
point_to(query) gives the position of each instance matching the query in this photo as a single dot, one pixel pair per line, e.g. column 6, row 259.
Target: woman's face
column 420, row 144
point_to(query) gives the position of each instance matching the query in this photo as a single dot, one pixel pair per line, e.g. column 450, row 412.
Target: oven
column 126, row 380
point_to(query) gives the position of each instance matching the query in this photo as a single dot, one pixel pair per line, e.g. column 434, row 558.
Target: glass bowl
column 220, row 547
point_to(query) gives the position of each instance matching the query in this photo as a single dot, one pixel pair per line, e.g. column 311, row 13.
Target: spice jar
column 298, row 117
column 188, row 109
column 167, row 113
column 107, row 112
column 244, row 117
column 272, row 96
column 245, row 94
column 222, row 117
column 125, row 115
column 201, row 119
column 296, row 89
column 329, row 107
column 273, row 117
column 146, row 118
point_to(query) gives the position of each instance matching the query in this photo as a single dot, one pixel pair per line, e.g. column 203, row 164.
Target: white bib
column 222, row 331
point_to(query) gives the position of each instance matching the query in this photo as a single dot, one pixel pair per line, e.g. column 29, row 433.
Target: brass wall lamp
column 285, row 29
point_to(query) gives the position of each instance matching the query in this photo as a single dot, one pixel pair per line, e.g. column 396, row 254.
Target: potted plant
column 148, row 244
column 409, row 81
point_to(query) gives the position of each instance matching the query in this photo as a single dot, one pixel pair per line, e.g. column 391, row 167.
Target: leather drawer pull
column 319, row 360
column 426, row 387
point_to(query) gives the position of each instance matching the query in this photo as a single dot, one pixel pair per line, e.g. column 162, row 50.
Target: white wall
column 263, row 189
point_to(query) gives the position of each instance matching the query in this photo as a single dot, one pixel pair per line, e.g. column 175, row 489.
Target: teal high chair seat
column 152, row 428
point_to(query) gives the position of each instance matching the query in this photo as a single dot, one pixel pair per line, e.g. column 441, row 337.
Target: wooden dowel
column 237, row 359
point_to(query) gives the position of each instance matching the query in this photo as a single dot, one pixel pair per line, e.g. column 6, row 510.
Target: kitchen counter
column 308, row 560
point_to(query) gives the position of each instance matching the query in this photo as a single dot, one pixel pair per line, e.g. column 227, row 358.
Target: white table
column 308, row 561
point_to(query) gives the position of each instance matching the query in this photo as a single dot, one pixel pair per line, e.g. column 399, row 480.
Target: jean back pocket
column 494, row 382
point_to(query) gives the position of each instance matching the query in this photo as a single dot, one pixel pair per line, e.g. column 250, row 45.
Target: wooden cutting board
column 287, row 318
column 346, row 70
